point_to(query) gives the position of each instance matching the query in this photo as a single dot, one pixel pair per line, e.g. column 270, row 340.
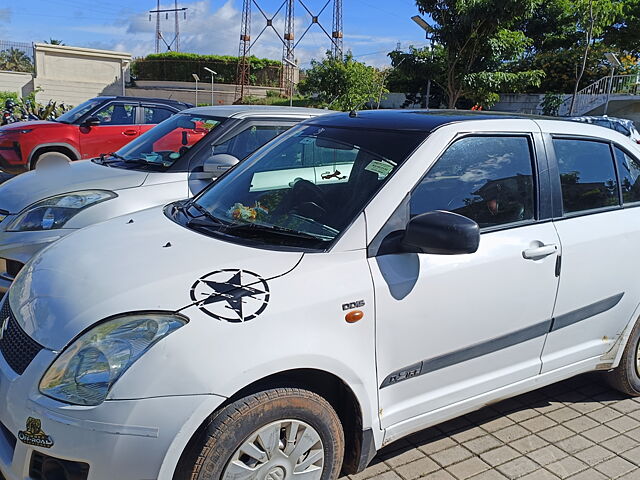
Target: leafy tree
column 592, row 17
column 53, row 41
column 479, row 46
column 625, row 33
column 14, row 59
column 342, row 84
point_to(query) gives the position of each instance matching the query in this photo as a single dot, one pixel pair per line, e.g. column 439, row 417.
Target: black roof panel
column 417, row 120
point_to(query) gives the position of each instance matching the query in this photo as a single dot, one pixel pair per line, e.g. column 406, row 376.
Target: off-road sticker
column 231, row 295
column 33, row 434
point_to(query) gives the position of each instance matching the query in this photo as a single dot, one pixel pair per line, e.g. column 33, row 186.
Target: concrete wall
column 223, row 94
column 20, row 83
column 73, row 74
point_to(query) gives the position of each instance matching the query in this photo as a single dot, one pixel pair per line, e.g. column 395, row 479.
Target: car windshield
column 303, row 189
column 75, row 113
column 160, row 147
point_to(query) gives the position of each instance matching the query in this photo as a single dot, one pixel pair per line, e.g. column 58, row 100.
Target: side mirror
column 442, row 233
column 91, row 122
column 218, row 163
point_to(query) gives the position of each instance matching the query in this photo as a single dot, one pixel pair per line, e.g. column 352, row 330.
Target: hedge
column 176, row 66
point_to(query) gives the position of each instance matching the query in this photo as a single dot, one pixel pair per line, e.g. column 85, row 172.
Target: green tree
column 592, row 17
column 14, row 59
column 53, row 41
column 625, row 33
column 480, row 45
column 342, row 84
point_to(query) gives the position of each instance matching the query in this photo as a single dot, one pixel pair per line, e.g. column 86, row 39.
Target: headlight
column 85, row 372
column 54, row 212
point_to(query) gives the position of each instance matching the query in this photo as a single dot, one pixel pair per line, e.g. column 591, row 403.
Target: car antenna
column 353, row 114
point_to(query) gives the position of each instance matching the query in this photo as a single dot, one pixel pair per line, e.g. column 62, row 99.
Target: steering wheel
column 304, row 198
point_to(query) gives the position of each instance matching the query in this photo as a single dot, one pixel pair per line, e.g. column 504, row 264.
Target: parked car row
column 354, row 279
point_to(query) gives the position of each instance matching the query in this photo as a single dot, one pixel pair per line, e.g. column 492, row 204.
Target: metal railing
column 597, row 93
column 16, row 56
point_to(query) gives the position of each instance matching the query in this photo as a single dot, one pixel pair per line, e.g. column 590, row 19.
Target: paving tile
column 615, row 467
column 619, row 444
column 451, row 455
column 547, row 455
column 424, row 436
column 632, row 455
column 468, row 468
column 586, row 407
column 590, row 474
column 563, row 414
column 390, row 475
column 549, row 407
column 623, row 424
column 556, row 434
column 635, row 434
column 439, row 475
column 500, row 455
column 599, row 433
column 626, row 406
column 540, row 474
column 522, row 415
column 594, row 455
column 468, row 434
column 489, row 475
column 509, row 434
column 574, row 444
column 371, row 471
column 395, row 459
column 604, row 415
column 633, row 475
column 518, row 467
column 528, row 444
column 437, row 445
column 417, row 469
column 482, row 444
column 496, row 424
column 538, row 423
column 581, row 424
column 455, row 425
column 567, row 466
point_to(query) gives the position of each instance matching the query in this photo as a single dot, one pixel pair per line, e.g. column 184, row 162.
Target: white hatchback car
column 359, row 278
column 172, row 161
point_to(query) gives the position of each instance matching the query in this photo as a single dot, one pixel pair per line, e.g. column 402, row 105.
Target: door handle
column 542, row 251
column 130, row 132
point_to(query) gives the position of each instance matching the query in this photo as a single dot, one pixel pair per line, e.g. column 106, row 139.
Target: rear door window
column 587, row 175
column 155, row 114
column 629, row 173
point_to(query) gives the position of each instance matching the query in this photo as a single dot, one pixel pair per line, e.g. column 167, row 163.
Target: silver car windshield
column 165, row 143
column 305, row 188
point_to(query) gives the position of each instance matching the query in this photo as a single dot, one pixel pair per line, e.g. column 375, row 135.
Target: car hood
column 30, row 187
column 30, row 124
column 138, row 262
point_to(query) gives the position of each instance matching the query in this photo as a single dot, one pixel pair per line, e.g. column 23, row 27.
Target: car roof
column 411, row 120
column 243, row 111
column 166, row 101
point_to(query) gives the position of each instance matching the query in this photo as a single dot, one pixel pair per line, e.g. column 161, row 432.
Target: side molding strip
column 501, row 342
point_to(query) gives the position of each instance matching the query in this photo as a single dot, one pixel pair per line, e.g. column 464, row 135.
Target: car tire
column 288, row 429
column 626, row 376
column 50, row 159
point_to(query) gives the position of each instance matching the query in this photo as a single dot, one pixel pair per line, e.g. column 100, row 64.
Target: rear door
column 117, row 128
column 598, row 222
column 149, row 115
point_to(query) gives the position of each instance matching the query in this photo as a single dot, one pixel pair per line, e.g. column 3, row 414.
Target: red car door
column 117, row 128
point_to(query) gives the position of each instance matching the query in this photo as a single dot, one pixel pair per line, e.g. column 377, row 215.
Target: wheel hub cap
column 282, row 450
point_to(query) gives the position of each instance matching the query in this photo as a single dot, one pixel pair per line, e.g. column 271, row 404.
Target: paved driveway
column 578, row 429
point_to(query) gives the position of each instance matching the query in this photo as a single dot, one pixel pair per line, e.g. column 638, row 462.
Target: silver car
column 172, row 161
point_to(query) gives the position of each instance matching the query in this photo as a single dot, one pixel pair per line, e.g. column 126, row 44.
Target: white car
column 359, row 278
column 172, row 161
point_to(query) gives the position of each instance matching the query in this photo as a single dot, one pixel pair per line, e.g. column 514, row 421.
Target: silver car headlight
column 85, row 371
column 53, row 212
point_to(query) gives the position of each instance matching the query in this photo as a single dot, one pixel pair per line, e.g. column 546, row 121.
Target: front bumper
column 124, row 439
column 21, row 246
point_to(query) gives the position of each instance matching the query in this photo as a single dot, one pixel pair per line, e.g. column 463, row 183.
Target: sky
column 372, row 28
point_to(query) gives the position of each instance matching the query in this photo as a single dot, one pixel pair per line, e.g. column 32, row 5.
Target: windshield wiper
column 275, row 229
column 212, row 220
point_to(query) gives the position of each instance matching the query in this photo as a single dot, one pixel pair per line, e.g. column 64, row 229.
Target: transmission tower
column 288, row 56
column 289, row 43
column 175, row 43
column 242, row 74
column 336, row 34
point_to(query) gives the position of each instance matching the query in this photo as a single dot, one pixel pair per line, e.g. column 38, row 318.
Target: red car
column 99, row 125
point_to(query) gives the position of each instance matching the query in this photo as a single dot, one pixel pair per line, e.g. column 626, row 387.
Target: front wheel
column 626, row 376
column 278, row 434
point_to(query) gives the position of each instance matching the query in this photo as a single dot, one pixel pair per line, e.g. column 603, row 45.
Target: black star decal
column 232, row 292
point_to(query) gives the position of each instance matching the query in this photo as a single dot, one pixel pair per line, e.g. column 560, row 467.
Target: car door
column 240, row 142
column 150, row 115
column 451, row 327
column 117, row 128
column 598, row 290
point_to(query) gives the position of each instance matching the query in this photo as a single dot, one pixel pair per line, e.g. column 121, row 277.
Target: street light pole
column 422, row 23
column 292, row 65
column 615, row 63
column 197, row 79
column 212, row 74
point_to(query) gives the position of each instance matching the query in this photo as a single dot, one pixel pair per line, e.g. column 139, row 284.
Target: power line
column 175, row 43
